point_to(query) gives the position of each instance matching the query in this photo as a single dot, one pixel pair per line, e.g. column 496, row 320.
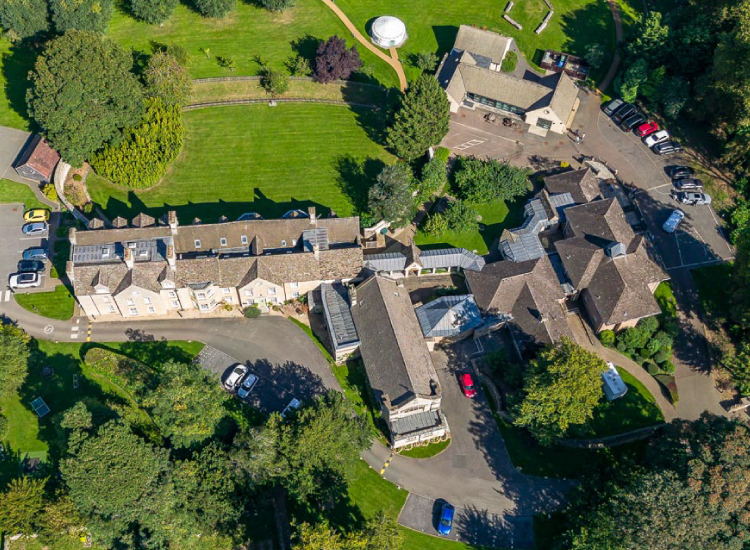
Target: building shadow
column 445, row 36
column 356, row 176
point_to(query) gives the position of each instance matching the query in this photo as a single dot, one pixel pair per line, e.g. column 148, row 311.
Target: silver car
column 693, row 198
column 35, row 228
column 235, row 377
column 25, row 280
column 673, row 221
column 247, row 386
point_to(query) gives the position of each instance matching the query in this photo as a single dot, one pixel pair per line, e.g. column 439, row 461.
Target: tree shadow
column 356, row 176
column 16, row 64
column 483, row 529
column 585, row 26
column 306, row 47
column 280, row 383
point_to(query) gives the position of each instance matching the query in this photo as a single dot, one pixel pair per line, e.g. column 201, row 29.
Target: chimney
column 352, row 295
column 171, row 259
column 69, row 269
column 128, row 257
column 316, row 251
column 72, row 236
column 172, row 221
column 313, row 217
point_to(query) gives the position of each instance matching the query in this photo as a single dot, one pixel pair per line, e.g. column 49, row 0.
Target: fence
column 279, row 100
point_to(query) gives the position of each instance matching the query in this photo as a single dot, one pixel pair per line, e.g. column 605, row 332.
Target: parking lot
column 12, row 244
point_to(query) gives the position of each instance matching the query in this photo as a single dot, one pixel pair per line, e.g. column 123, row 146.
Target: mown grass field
column 256, row 158
column 55, row 304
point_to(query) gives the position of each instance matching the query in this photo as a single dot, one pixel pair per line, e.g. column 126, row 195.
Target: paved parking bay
column 12, row 244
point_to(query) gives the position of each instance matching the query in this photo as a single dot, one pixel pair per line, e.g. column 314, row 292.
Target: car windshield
column 446, row 522
column 27, row 277
column 469, row 384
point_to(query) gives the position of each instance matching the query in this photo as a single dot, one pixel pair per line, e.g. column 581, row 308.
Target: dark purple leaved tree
column 334, row 60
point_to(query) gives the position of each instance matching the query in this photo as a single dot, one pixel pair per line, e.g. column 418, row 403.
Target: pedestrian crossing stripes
column 387, row 463
column 7, row 296
column 88, row 333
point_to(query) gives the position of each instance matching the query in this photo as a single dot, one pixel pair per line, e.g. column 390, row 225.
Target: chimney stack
column 128, row 257
column 172, row 221
column 171, row 258
column 313, row 216
column 316, row 251
column 72, row 236
column 69, row 270
column 352, row 295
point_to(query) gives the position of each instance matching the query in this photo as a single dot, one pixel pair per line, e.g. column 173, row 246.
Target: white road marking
column 7, row 295
column 468, row 144
column 35, row 237
column 709, row 262
column 74, row 335
column 473, row 129
column 74, row 329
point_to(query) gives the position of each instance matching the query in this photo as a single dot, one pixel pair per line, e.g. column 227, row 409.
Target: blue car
column 446, row 519
column 36, row 253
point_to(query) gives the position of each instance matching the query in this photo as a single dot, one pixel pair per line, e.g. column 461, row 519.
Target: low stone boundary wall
column 279, row 100
column 543, row 24
column 613, row 440
column 513, row 22
column 509, row 7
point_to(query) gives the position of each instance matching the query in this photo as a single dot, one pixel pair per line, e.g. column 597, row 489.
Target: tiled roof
column 600, row 222
column 580, row 258
column 335, row 300
column 395, row 355
column 583, row 185
column 440, row 258
column 482, row 43
column 448, row 316
column 39, row 156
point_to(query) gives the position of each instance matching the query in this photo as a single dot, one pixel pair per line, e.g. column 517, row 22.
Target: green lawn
column 666, row 300
column 268, row 160
column 432, row 26
column 57, row 304
column 12, row 192
column 353, row 380
column 307, row 330
column 495, row 218
column 427, row 451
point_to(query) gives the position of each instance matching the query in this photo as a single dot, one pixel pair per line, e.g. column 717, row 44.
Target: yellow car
column 36, row 215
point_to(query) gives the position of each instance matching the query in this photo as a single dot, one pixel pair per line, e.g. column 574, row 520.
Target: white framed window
column 295, row 294
column 294, row 285
column 248, row 292
column 175, row 303
column 147, row 300
column 105, row 299
column 243, row 239
column 172, row 294
column 229, row 300
column 197, row 243
column 227, row 290
column 131, row 302
column 223, row 241
column 213, row 303
column 201, row 295
column 272, row 300
column 271, row 291
column 283, row 243
column 294, row 242
column 111, row 309
column 151, row 309
column 204, row 307
column 134, row 311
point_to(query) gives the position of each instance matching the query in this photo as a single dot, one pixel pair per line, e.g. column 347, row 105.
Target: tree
column 60, row 516
column 14, row 359
column 275, row 83
column 120, row 484
column 674, row 96
column 167, row 79
column 650, row 40
column 458, row 217
column 422, row 119
column 486, row 181
column 188, row 403
column 298, row 65
column 82, row 15
column 153, row 11
column 562, row 387
column 317, row 450
column 425, row 61
column 83, row 94
column 434, row 178
column 277, row 5
column 633, row 78
column 390, row 199
column 380, row 533
column 333, row 61
column 214, row 8
column 595, row 55
column 25, row 18
column 20, row 505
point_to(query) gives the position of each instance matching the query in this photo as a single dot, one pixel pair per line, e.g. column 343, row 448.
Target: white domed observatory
column 388, row 32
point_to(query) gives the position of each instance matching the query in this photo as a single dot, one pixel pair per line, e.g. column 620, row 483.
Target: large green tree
column 421, row 120
column 14, row 358
column 483, row 181
column 167, row 79
column 390, row 198
column 153, row 11
column 83, row 94
column 561, row 387
column 215, row 8
column 380, row 533
column 25, row 18
column 21, row 504
column 82, row 15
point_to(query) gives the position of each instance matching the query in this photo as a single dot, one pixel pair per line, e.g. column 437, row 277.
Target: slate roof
column 485, row 44
column 449, row 316
column 579, row 258
column 440, row 258
column 39, row 156
column 600, row 222
column 529, row 291
column 415, row 423
column 338, row 314
column 583, row 185
column 395, row 355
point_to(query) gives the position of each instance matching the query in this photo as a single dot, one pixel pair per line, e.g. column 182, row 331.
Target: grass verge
column 12, row 192
column 56, row 304
column 426, row 451
column 666, row 300
column 307, row 330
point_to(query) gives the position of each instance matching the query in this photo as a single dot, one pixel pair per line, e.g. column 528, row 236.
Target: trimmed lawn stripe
column 56, row 304
column 12, row 192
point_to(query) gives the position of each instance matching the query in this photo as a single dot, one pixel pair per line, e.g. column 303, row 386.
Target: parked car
column 35, row 228
column 646, row 129
column 679, row 172
column 247, row 386
column 35, row 253
column 667, row 148
column 688, row 184
column 445, row 525
column 235, row 377
column 612, row 106
column 36, row 215
column 293, row 405
column 467, row 385
column 623, row 112
column 673, row 221
column 25, row 280
column 30, row 266
column 632, row 121
column 657, row 137
column 692, row 198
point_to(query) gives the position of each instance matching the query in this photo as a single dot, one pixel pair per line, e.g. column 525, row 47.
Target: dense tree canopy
column 561, row 387
column 82, row 15
column 25, row 18
column 215, row 8
column 83, row 94
column 167, row 79
column 390, row 198
column 334, row 61
column 277, row 5
column 14, row 358
column 421, row 120
column 20, row 505
column 153, row 11
column 380, row 533
column 434, row 178
column 483, row 181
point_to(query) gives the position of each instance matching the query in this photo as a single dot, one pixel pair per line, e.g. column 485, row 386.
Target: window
column 272, row 300
column 204, row 307
column 175, row 303
column 213, row 303
column 131, row 302
column 229, row 300
column 147, row 301
column 544, row 123
column 201, row 295
column 271, row 291
column 197, row 243
column 243, row 239
column 151, row 309
column 294, row 285
column 248, row 292
column 294, row 242
column 111, row 309
column 223, row 241
column 227, row 290
column 105, row 299
column 295, row 294
column 172, row 294
column 283, row 243
column 134, row 311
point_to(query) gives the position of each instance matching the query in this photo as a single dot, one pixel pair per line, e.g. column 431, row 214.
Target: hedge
column 668, row 382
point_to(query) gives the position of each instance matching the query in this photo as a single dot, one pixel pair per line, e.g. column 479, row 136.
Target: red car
column 645, row 129
column 467, row 385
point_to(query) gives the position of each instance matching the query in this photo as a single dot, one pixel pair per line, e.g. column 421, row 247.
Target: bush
column 483, row 181
column 3, row 426
column 335, row 61
column 53, row 272
column 652, row 368
column 153, row 11
column 668, row 383
column 663, row 340
column 126, row 372
column 661, row 356
column 434, row 178
column 667, row 367
column 82, row 15
column 459, row 217
column 607, row 338
column 145, row 153
column 275, row 83
column 442, row 153
column 49, row 191
column 425, row 61
column 649, row 324
column 510, row 372
column 214, row 8
column 510, row 62
column 167, row 79
column 298, row 66
column 645, row 352
column 251, row 312
column 77, row 177
column 277, row 5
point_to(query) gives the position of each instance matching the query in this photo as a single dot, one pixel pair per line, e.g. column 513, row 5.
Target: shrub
column 214, row 8
column 633, row 339
column 652, row 368
column 49, row 191
column 664, row 340
column 667, row 367
column 275, row 83
column 277, row 5
column 607, row 338
column 668, row 383
column 645, row 352
column 88, row 208
column 145, row 153
column 653, row 346
column 53, row 272
column 335, row 61
column 510, row 372
column 251, row 312
column 436, row 224
column 442, row 153
column 510, row 62
column 425, row 61
column 483, row 181
column 298, row 66
column 167, row 79
column 82, row 15
column 649, row 324
column 153, row 11
column 661, row 356
column 640, row 359
column 458, row 217
column 3, row 426
column 126, row 372
column 226, row 61
column 434, row 178
column 77, row 177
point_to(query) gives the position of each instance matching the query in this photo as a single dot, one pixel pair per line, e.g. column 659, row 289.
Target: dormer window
column 105, row 252
column 243, row 239
column 283, row 243
column 223, row 241
column 197, row 243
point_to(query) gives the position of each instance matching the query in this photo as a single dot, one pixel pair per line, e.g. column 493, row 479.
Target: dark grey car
column 688, row 184
column 623, row 112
